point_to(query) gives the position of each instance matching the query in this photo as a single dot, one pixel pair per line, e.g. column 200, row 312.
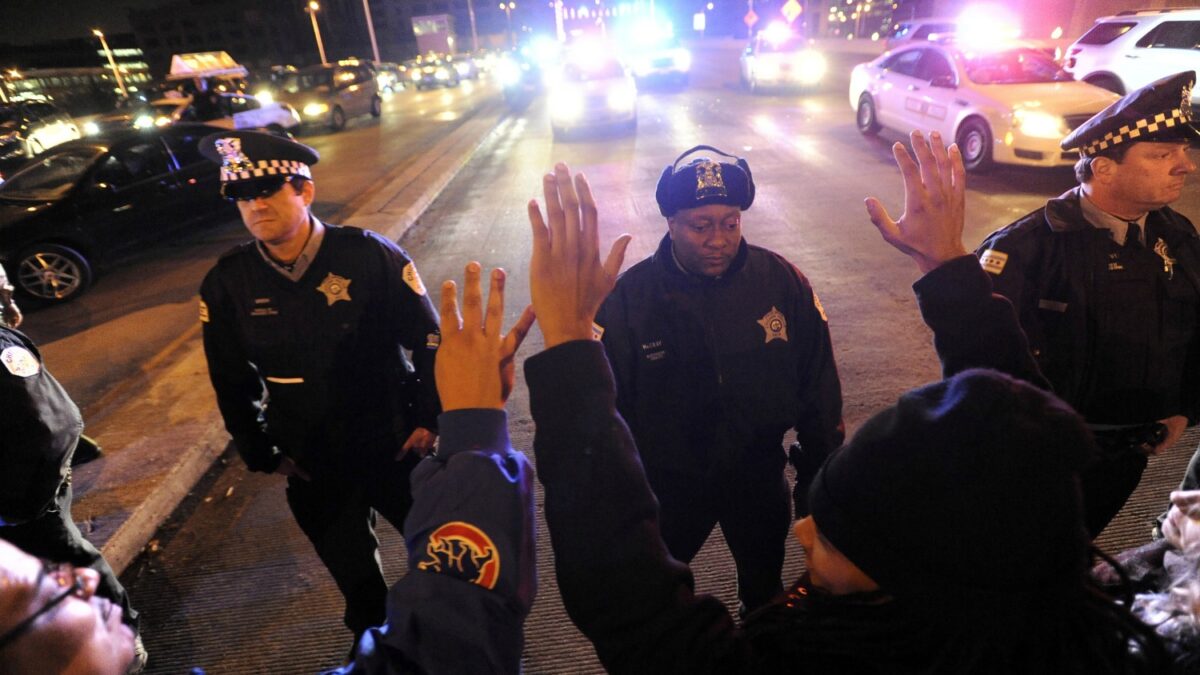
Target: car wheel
column 1107, row 82
column 376, row 106
column 337, row 119
column 868, row 122
column 975, row 142
column 52, row 273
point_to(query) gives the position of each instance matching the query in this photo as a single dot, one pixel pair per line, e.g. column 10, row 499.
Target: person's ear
column 1104, row 168
column 308, row 192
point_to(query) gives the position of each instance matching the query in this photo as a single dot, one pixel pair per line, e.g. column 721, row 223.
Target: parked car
column 390, row 76
column 241, row 112
column 329, row 94
column 778, row 58
column 29, row 128
column 434, row 72
column 1010, row 105
column 85, row 203
column 1132, row 49
column 592, row 92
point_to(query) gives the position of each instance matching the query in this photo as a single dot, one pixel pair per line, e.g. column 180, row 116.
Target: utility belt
column 1117, row 439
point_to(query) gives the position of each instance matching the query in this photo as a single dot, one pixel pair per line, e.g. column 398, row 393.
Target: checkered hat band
column 270, row 167
column 1130, row 132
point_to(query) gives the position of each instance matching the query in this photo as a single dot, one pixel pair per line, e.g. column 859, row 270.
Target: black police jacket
column 38, row 432
column 712, row 371
column 637, row 605
column 313, row 368
column 1061, row 275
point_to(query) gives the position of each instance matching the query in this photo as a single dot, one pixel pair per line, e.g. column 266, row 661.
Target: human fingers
column 882, row 220
column 537, row 225
column 554, row 212
column 472, row 305
column 589, row 237
column 616, row 256
column 941, row 158
column 495, row 305
column 909, row 172
column 958, row 174
column 570, row 205
column 451, row 321
column 516, row 334
column 930, row 179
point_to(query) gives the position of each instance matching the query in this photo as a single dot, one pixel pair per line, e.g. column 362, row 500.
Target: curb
column 161, row 428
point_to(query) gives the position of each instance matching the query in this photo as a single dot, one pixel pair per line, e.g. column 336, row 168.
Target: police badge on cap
column 251, row 155
column 1158, row 112
column 704, row 181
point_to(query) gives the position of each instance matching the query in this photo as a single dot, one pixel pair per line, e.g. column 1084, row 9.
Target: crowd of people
column 950, row 534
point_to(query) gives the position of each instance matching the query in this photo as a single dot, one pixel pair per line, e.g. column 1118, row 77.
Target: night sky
column 34, row 21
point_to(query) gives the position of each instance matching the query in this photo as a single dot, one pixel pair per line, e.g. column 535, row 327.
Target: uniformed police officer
column 304, row 329
column 40, row 431
column 1106, row 281
column 719, row 347
column 10, row 314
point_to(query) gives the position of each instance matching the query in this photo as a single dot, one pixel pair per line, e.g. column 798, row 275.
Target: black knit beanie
column 967, row 485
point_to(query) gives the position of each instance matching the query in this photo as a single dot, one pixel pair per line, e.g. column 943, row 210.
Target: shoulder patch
column 20, row 362
column 597, row 331
column 819, row 306
column 203, row 312
column 462, row 550
column 993, row 261
column 413, row 279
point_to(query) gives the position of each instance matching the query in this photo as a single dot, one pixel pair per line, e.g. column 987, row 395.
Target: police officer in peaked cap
column 1106, row 281
column 304, row 331
column 719, row 347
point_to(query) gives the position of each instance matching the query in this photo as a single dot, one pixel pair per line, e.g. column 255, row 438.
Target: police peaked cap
column 1158, row 112
column 250, row 155
column 704, row 181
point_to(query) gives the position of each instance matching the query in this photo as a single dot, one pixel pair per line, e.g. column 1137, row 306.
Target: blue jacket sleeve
column 471, row 557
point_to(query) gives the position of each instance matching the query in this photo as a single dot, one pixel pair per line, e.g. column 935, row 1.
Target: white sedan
column 594, row 92
column 1007, row 104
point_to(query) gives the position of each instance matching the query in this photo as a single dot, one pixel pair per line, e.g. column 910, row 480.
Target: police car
column 1005, row 103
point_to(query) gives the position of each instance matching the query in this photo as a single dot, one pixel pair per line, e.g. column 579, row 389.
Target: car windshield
column 297, row 82
column 50, row 177
column 794, row 43
column 602, row 70
column 1013, row 66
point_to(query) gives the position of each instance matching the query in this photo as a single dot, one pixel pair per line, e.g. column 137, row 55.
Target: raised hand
column 566, row 279
column 474, row 366
column 930, row 230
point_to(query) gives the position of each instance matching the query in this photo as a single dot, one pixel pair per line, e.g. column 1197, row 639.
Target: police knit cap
column 250, row 155
column 965, row 488
column 704, row 181
column 1159, row 112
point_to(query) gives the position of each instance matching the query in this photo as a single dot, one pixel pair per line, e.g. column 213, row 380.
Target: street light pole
column 111, row 62
column 474, row 35
column 370, row 31
column 508, row 7
column 312, row 8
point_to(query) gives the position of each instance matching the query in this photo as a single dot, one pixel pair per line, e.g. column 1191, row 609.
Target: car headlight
column 265, row 97
column 416, row 75
column 316, row 109
column 810, row 67
column 683, row 59
column 566, row 104
column 462, row 68
column 162, row 121
column 143, row 122
column 621, row 98
column 91, row 128
column 441, row 74
column 508, row 73
column 1039, row 124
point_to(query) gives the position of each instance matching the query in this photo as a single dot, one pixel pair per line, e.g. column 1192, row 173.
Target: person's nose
column 718, row 240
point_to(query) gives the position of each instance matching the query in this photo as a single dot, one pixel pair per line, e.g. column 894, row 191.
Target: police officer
column 303, row 330
column 719, row 347
column 10, row 314
column 1106, row 282
column 40, row 431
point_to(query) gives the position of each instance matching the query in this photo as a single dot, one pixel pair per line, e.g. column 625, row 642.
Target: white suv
column 1132, row 49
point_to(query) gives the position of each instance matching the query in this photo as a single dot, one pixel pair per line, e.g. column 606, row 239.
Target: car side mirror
column 945, row 81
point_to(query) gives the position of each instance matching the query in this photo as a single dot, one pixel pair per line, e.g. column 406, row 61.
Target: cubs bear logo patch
column 464, row 551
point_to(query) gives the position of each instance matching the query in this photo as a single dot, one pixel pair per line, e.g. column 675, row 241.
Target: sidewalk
column 161, row 430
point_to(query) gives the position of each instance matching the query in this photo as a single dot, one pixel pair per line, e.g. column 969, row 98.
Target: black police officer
column 1106, row 281
column 719, row 347
column 304, row 329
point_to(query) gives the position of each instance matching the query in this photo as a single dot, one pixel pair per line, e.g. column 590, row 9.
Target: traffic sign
column 791, row 9
column 751, row 18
